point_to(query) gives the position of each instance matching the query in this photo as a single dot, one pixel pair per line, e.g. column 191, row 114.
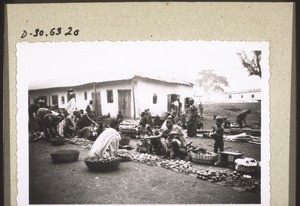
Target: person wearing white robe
column 106, row 145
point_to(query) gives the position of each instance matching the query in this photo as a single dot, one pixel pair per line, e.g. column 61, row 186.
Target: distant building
column 252, row 95
column 130, row 94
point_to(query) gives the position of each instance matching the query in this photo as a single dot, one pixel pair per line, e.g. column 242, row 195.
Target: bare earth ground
column 133, row 182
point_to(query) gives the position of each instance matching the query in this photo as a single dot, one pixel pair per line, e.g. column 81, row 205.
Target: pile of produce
column 125, row 157
column 108, row 159
column 145, row 157
column 212, row 176
column 178, row 166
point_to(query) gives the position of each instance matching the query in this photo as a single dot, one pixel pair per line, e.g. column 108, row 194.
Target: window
column 230, row 96
column 85, row 95
column 54, row 99
column 110, row 98
column 242, row 96
column 252, row 96
column 62, row 99
column 154, row 99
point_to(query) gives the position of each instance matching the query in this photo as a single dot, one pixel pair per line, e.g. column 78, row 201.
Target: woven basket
column 63, row 156
column 98, row 166
column 201, row 158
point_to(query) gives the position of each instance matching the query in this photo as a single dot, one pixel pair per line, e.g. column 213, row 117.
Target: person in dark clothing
column 241, row 118
column 33, row 108
column 120, row 117
column 149, row 117
column 90, row 110
column 217, row 135
column 192, row 119
column 48, row 121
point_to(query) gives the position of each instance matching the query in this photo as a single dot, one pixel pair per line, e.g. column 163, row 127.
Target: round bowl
column 102, row 165
column 63, row 156
column 58, row 141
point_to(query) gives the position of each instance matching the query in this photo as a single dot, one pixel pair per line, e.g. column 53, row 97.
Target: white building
column 252, row 95
column 130, row 94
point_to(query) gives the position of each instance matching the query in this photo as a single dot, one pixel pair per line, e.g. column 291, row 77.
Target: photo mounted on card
column 143, row 122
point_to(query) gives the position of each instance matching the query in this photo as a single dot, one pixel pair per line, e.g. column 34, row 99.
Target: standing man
column 90, row 110
column 191, row 119
column 201, row 108
column 217, row 135
column 242, row 117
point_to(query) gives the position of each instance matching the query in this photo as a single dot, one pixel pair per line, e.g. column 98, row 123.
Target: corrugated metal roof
column 77, row 80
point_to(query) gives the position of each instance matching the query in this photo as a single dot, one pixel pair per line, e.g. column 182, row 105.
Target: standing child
column 217, row 135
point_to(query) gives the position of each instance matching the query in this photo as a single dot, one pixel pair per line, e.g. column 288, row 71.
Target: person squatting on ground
column 172, row 140
column 69, row 125
column 106, row 144
column 217, row 135
column 48, row 121
column 191, row 119
column 241, row 118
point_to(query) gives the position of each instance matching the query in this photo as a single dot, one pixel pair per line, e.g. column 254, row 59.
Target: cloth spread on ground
column 106, row 144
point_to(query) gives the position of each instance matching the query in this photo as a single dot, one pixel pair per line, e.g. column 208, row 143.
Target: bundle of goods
column 125, row 157
column 102, row 165
column 247, row 165
column 178, row 166
column 63, row 156
column 203, row 156
column 211, row 175
column 243, row 137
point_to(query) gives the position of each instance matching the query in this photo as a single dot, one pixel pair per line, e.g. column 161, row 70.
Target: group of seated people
column 168, row 140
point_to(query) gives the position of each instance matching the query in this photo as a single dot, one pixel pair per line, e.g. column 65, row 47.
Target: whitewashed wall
column 145, row 90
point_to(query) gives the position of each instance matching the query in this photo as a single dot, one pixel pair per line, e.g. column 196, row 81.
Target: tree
column 211, row 81
column 253, row 65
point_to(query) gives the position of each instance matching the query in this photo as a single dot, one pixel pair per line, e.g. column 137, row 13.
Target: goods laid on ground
column 102, row 165
column 178, row 166
column 203, row 156
column 84, row 143
column 247, row 165
column 243, row 137
column 125, row 157
column 213, row 176
column 64, row 156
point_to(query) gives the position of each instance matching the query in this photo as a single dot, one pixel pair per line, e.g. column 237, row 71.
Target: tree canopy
column 253, row 65
column 211, row 81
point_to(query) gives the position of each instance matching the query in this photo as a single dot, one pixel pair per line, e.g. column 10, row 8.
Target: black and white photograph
column 143, row 122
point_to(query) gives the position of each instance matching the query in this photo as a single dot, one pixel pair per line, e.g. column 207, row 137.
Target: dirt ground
column 131, row 183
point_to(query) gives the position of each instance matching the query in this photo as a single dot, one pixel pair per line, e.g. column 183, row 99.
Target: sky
column 60, row 61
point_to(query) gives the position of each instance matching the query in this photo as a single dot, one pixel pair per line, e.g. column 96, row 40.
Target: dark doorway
column 124, row 102
column 97, row 103
column 171, row 98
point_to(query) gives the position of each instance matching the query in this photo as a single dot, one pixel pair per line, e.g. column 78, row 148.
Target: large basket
column 101, row 166
column 201, row 158
column 63, row 156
